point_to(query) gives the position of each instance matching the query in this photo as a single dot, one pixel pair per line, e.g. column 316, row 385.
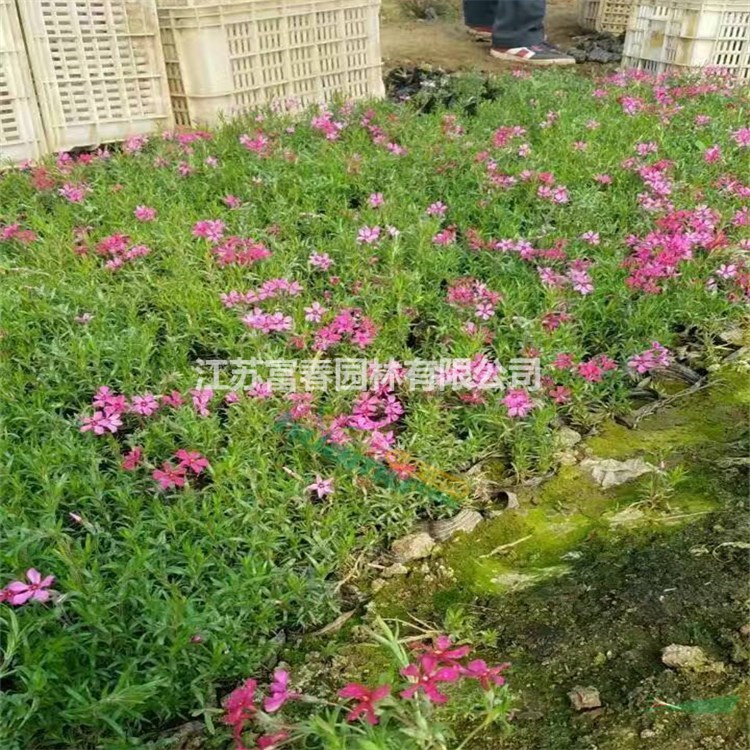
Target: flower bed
column 449, row 284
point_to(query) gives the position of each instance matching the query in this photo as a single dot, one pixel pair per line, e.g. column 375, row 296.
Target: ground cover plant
column 161, row 533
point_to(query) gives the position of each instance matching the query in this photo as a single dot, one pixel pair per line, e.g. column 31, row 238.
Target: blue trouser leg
column 479, row 13
column 515, row 23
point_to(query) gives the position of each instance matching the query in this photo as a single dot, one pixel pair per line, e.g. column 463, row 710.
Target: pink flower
column 445, row 236
column 561, row 195
column 581, row 281
column 132, row 460
column 18, row 592
column 725, row 271
column 560, row 394
column 603, row 179
column 260, row 144
column 134, row 143
column 426, row 675
column 144, row 213
column 280, row 692
column 484, row 310
column 366, row 699
column 591, row 237
column 656, row 357
column 101, row 422
column 631, row 105
column 174, row 399
column 260, row 390
column 231, row 201
column 320, row 486
column 201, row 399
column 267, row 322
column 590, row 371
column 169, row 476
column 518, row 402
column 644, row 149
column 487, row 676
column 191, row 460
column 444, row 651
column 110, row 402
column 437, row 209
column 315, row 312
column 209, row 229
column 321, row 260
column 742, row 137
column 74, row 193
column 144, row 405
column 562, row 361
column 240, row 707
column 712, row 154
column 375, row 200
column 368, row 235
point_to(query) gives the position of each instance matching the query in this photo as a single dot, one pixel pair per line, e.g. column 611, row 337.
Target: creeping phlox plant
column 369, row 275
column 399, row 714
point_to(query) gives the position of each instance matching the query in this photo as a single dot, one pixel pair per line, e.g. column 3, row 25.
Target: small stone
column 609, row 472
column 465, row 520
column 397, row 569
column 745, row 630
column 566, row 458
column 648, row 734
column 566, row 437
column 584, row 698
column 413, row 547
column 736, row 336
column 691, row 658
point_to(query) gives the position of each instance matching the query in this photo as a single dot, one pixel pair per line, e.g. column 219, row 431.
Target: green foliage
column 167, row 600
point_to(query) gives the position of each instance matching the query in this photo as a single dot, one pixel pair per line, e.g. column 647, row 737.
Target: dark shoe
column 537, row 54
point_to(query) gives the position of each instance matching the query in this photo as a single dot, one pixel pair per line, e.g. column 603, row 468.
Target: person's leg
column 518, row 23
column 518, row 34
column 480, row 14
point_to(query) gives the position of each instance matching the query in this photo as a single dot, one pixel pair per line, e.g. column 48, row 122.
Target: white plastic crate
column 230, row 58
column 21, row 134
column 672, row 35
column 604, row 15
column 98, row 68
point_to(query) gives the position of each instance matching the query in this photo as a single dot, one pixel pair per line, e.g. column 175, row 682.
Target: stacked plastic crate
column 225, row 59
column 21, row 134
column 681, row 35
column 604, row 15
column 98, row 69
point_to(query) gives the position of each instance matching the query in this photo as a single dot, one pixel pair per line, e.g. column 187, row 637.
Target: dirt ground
column 445, row 43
